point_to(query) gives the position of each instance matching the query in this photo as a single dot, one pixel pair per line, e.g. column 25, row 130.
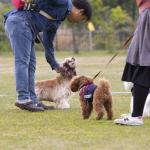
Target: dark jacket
column 58, row 9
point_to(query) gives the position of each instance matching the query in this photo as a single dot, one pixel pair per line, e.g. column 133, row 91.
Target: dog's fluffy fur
column 57, row 90
column 146, row 112
column 102, row 97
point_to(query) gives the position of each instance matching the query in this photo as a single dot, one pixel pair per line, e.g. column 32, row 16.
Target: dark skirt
column 137, row 74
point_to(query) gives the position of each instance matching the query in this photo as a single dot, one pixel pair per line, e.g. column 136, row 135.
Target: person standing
column 137, row 68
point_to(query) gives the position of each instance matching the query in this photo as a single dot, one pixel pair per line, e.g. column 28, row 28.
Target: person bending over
column 23, row 25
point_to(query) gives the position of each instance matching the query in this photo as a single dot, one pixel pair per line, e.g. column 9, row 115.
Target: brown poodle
column 93, row 96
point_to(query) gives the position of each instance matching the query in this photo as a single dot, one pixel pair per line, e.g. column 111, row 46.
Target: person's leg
column 31, row 74
column 20, row 39
column 139, row 97
column 146, row 111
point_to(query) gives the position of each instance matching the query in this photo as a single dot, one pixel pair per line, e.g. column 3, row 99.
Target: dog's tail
column 104, row 85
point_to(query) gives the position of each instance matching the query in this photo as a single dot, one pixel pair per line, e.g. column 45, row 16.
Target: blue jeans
column 22, row 43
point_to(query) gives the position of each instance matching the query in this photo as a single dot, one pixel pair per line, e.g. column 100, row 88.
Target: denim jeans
column 22, row 43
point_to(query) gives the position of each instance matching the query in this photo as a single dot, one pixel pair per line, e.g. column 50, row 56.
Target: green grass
column 65, row 129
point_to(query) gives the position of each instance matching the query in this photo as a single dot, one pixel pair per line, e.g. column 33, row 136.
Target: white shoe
column 130, row 121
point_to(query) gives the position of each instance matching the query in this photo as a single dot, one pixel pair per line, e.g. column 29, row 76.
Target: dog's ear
column 74, row 84
column 78, row 81
column 85, row 80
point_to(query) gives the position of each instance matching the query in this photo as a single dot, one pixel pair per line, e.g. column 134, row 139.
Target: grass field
column 65, row 129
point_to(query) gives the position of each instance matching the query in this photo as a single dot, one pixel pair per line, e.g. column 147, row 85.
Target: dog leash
column 114, row 56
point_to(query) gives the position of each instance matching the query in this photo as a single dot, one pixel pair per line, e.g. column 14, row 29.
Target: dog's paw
column 99, row 117
column 110, row 118
column 85, row 117
column 63, row 106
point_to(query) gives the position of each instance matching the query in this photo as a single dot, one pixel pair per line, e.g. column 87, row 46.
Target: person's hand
column 30, row 6
column 61, row 70
column 57, row 70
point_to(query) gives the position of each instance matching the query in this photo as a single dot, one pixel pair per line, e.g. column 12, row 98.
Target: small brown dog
column 93, row 96
column 57, row 90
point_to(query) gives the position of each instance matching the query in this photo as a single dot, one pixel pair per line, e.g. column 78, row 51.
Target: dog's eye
column 73, row 59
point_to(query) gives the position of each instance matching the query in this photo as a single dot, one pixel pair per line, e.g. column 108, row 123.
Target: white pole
column 90, row 41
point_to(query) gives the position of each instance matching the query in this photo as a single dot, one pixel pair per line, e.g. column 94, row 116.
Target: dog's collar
column 84, row 84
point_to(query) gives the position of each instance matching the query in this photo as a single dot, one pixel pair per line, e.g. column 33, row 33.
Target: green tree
column 128, row 5
column 100, row 13
column 112, row 21
column 120, row 17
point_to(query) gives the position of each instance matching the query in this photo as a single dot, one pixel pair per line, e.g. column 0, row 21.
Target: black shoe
column 30, row 107
column 23, row 105
column 45, row 106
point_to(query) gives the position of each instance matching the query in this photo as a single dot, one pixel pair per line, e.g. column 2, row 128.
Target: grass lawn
column 65, row 129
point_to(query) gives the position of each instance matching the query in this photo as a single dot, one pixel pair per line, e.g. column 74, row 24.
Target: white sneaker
column 130, row 121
